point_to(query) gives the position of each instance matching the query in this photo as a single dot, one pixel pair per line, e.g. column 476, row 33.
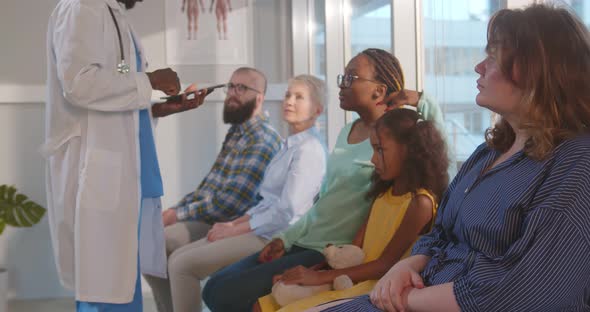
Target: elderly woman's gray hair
column 317, row 88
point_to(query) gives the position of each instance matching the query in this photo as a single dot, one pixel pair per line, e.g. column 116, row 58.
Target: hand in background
column 301, row 275
column 272, row 251
column 218, row 232
column 391, row 291
column 169, row 217
column 222, row 225
column 165, row 80
column 223, row 230
column 172, row 107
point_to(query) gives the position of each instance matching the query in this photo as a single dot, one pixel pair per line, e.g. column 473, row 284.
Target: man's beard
column 129, row 4
column 238, row 114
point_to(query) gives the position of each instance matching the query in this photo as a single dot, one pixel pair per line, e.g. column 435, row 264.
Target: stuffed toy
column 337, row 257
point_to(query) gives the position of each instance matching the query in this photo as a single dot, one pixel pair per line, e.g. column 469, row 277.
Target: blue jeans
column 238, row 286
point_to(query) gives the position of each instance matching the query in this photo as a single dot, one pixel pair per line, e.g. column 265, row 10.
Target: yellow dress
column 387, row 214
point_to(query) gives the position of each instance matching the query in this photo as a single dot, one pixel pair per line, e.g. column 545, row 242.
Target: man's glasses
column 346, row 80
column 238, row 88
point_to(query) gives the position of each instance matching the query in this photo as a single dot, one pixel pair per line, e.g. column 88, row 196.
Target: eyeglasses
column 345, row 81
column 238, row 88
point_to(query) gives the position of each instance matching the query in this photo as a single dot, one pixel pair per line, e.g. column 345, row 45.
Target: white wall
column 26, row 252
column 187, row 143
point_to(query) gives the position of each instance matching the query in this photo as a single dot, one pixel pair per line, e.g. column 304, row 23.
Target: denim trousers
column 238, row 286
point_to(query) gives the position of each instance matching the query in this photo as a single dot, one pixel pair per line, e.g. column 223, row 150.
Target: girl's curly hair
column 426, row 162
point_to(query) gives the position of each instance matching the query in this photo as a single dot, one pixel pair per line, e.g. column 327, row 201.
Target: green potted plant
column 18, row 211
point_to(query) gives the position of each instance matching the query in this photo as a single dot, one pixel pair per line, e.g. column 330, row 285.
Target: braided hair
column 387, row 70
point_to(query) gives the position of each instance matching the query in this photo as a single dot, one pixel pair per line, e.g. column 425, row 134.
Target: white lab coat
column 92, row 149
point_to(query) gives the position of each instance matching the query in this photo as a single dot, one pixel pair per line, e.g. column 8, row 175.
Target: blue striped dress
column 515, row 238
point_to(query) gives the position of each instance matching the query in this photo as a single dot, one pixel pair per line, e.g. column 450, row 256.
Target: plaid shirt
column 230, row 188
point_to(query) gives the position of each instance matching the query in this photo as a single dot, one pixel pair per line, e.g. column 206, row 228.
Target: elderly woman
column 291, row 182
column 512, row 230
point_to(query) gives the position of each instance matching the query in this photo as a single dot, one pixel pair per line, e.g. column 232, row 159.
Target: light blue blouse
column 291, row 183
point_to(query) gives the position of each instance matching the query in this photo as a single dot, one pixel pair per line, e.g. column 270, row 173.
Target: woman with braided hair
column 399, row 96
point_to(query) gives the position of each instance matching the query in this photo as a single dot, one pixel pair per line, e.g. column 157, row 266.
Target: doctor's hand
column 165, row 80
column 191, row 99
column 169, row 217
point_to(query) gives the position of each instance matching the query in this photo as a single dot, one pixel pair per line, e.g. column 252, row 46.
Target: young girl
column 410, row 175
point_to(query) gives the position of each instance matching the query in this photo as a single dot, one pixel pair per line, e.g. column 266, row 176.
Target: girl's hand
column 302, row 276
column 273, row 250
column 276, row 278
column 319, row 266
column 391, row 292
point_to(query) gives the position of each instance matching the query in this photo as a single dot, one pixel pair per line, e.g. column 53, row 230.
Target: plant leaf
column 17, row 210
column 20, row 198
column 22, row 220
column 10, row 194
column 33, row 212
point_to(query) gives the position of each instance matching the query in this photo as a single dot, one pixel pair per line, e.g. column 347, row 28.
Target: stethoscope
column 123, row 67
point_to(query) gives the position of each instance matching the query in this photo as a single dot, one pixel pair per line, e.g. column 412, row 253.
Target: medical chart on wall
column 200, row 32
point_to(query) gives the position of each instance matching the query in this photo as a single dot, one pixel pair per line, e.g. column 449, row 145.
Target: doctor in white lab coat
column 92, row 149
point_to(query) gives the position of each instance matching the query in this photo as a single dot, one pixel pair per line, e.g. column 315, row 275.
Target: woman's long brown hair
column 544, row 51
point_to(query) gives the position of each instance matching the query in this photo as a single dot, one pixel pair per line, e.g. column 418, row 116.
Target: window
column 369, row 23
column 317, row 32
column 452, row 61
column 581, row 8
column 318, row 38
column 454, row 39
